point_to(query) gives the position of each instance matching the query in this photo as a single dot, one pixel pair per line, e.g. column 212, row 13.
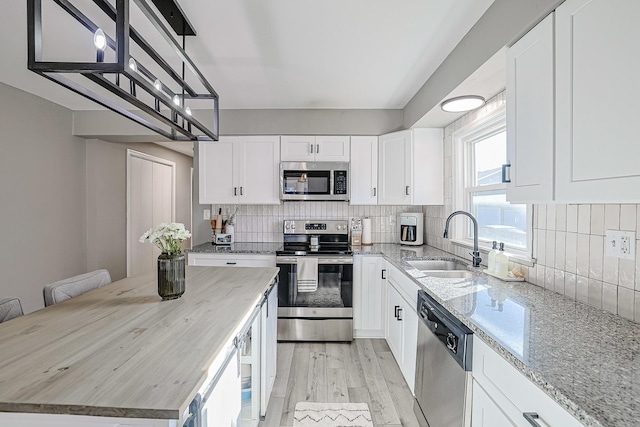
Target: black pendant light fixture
column 169, row 114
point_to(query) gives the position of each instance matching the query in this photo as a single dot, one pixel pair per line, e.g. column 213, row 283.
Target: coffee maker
column 411, row 229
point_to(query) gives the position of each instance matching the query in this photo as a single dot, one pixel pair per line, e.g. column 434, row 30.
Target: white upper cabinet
column 597, row 92
column 240, row 170
column 410, row 170
column 530, row 115
column 314, row 149
column 364, row 170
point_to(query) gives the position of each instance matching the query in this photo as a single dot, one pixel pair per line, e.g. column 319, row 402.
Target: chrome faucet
column 476, row 252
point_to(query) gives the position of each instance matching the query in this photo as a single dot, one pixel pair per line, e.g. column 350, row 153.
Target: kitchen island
column 120, row 351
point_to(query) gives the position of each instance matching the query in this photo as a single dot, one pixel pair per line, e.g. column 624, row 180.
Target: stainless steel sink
column 436, row 264
column 448, row 274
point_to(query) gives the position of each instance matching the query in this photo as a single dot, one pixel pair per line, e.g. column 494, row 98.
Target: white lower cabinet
column 401, row 327
column 231, row 260
column 369, row 274
column 502, row 396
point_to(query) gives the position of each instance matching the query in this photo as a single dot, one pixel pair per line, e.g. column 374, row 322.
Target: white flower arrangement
column 167, row 237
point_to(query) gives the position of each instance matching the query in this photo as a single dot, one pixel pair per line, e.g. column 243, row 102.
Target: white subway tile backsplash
column 572, row 218
column 595, row 293
column 625, row 303
column 551, row 217
column 541, row 212
column 582, row 262
column 612, row 217
column 561, row 217
column 628, row 217
column 626, row 273
column 550, row 246
column 549, row 278
column 559, row 281
column 582, row 289
column 571, row 252
column 610, row 298
column 596, row 250
column 610, row 270
column 584, row 219
column 570, row 285
column 560, row 250
column 597, row 219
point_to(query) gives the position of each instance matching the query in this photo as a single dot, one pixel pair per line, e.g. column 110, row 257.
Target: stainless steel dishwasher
column 443, row 367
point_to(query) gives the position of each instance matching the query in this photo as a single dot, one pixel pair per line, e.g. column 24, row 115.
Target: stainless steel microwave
column 314, row 181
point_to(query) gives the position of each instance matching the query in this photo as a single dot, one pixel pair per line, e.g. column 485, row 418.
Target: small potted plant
column 169, row 239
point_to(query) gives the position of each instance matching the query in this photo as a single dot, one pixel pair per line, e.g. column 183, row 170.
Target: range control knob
column 287, row 226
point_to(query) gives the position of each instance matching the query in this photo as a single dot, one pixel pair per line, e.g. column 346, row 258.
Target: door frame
column 137, row 154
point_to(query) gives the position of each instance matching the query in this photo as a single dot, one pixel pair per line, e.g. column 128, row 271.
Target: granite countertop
column 586, row 359
column 121, row 351
column 237, row 248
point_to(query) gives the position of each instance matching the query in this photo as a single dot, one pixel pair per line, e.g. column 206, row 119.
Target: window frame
column 463, row 138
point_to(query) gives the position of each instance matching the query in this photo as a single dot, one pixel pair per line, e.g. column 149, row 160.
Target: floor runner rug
column 321, row 414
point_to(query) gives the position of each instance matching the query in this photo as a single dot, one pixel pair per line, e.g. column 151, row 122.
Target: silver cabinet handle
column 384, row 271
column 506, row 172
column 235, row 191
column 399, row 315
column 317, row 148
column 374, row 192
column 241, row 192
column 311, row 148
column 531, row 418
column 406, row 190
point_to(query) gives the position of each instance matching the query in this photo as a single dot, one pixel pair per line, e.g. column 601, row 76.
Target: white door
column 394, row 168
column 368, row 296
column 394, row 327
column 485, row 412
column 597, row 71
column 530, row 126
column 364, row 170
column 151, row 201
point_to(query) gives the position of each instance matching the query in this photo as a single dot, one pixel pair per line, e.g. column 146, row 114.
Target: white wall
column 42, row 186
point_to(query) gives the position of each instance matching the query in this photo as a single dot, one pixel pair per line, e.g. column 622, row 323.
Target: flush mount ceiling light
column 168, row 116
column 461, row 104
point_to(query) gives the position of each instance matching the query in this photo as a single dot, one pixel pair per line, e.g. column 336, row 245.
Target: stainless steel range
column 316, row 282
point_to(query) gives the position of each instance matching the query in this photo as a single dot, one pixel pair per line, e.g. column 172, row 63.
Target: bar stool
column 74, row 286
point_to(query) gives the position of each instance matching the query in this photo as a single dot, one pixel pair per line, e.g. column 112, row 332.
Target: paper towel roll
column 366, row 231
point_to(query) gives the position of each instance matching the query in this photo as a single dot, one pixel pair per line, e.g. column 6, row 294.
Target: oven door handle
column 321, row 261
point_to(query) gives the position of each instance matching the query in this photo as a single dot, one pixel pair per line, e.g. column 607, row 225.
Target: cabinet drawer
column 235, row 260
column 503, row 381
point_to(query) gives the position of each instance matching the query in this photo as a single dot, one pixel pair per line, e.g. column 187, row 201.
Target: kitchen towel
column 307, row 274
column 366, row 231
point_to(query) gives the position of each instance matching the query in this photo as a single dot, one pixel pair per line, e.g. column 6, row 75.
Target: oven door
column 323, row 315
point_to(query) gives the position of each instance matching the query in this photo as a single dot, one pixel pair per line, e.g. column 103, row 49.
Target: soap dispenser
column 491, row 263
column 501, row 262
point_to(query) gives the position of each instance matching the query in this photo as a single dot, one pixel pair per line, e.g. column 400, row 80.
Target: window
column 480, row 152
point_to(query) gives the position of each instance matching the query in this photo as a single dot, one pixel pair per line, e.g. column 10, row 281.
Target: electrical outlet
column 620, row 244
column 206, row 214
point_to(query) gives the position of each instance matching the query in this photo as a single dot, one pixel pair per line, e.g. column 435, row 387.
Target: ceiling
column 283, row 54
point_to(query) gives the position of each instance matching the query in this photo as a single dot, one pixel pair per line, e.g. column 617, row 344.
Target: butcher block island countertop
column 120, row 351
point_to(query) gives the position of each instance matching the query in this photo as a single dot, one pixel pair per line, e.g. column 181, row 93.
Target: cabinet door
column 231, row 260
column 217, row 173
column 364, row 170
column 597, row 69
column 332, row 148
column 393, row 330
column 485, row 412
column 258, row 165
column 530, row 126
column 297, row 148
column 368, row 296
column 224, row 405
column 269, row 348
column 394, row 171
column 409, row 344
column 427, row 167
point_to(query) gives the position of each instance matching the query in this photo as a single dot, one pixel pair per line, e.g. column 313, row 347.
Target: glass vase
column 171, row 276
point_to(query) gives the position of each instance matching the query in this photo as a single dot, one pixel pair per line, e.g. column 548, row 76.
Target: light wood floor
column 361, row 371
